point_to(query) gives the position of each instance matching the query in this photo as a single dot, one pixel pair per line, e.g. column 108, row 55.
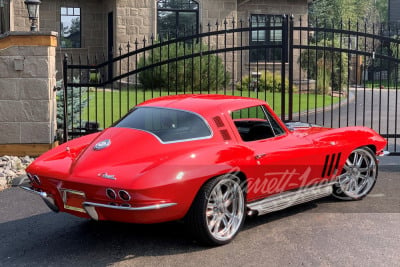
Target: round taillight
column 124, row 195
column 36, row 179
column 111, row 193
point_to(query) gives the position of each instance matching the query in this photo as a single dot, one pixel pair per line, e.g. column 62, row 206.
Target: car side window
column 255, row 123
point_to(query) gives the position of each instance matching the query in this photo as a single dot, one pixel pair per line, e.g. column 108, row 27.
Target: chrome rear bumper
column 90, row 208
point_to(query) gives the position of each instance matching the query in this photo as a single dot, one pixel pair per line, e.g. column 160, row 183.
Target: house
column 97, row 27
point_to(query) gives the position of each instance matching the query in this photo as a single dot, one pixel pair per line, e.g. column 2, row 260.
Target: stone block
column 121, row 11
column 134, row 12
column 36, row 67
column 36, row 133
column 10, row 111
column 34, row 89
column 9, row 89
column 10, row 133
column 132, row 30
column 35, row 111
column 7, row 67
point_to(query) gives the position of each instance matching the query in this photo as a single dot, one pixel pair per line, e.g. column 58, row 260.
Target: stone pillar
column 27, row 97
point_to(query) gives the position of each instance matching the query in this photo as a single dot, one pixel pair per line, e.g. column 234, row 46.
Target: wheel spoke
column 347, row 168
column 355, row 159
column 224, row 221
column 360, row 161
column 352, row 185
column 210, row 209
column 212, row 223
column 344, row 179
column 362, row 185
column 219, row 195
column 217, row 225
column 349, row 163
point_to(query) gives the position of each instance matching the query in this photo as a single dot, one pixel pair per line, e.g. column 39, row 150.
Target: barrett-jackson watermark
column 274, row 183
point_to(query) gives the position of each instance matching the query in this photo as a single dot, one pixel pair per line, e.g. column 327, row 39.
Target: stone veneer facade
column 27, row 80
column 136, row 19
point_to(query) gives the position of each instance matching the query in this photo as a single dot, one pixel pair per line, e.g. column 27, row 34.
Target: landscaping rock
column 12, row 167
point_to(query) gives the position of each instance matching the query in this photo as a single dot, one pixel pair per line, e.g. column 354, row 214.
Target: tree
column 335, row 11
column 328, row 68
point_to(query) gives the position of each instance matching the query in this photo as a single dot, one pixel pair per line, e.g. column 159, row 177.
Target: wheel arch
column 372, row 147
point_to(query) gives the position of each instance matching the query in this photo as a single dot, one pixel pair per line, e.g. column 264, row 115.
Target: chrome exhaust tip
column 50, row 202
column 91, row 211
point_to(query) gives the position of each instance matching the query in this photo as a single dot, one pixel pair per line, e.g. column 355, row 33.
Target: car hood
column 305, row 129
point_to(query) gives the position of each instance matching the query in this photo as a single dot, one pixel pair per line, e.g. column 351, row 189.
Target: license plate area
column 73, row 199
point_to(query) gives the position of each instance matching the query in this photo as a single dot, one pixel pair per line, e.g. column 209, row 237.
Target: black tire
column 218, row 211
column 359, row 175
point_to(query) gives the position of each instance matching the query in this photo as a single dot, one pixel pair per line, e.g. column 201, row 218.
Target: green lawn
column 107, row 106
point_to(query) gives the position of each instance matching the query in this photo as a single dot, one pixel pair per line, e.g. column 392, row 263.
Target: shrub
column 268, row 81
column 205, row 72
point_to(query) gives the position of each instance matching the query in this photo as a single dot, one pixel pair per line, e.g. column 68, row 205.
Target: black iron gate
column 332, row 75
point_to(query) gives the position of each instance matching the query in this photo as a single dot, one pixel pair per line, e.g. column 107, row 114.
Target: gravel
column 12, row 167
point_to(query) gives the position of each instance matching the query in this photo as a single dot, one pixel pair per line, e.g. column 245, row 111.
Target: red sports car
column 208, row 159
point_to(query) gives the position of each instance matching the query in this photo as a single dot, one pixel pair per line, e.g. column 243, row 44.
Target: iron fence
column 330, row 74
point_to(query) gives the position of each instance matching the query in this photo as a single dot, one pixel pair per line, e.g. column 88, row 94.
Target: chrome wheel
column 225, row 209
column 358, row 176
column 218, row 211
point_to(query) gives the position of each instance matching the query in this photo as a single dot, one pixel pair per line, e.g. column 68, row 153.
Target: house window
column 4, row 16
column 70, row 27
column 177, row 18
column 269, row 35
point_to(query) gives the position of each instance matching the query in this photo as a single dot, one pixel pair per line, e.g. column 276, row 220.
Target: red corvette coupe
column 208, row 159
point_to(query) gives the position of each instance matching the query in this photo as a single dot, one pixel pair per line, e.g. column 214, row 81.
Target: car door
column 280, row 160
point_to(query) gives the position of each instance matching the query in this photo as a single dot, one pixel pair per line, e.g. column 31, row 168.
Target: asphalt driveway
column 324, row 232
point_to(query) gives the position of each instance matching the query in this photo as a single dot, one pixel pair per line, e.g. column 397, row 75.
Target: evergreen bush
column 75, row 104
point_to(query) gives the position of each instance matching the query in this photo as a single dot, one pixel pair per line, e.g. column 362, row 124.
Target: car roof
column 204, row 104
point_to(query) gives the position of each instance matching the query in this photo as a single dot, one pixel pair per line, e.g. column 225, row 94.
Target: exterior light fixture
column 33, row 12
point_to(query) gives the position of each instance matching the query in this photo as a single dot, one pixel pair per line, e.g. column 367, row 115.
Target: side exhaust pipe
column 24, row 183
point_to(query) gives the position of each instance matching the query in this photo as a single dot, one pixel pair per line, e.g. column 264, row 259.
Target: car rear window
column 168, row 125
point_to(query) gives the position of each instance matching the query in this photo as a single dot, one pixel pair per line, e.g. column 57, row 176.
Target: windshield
column 168, row 125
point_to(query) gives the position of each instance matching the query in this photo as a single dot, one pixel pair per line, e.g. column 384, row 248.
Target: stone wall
column 27, row 80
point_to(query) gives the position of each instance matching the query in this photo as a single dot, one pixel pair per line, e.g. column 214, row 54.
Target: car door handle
column 259, row 156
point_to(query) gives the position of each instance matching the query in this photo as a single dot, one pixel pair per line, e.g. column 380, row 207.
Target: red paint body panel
column 155, row 173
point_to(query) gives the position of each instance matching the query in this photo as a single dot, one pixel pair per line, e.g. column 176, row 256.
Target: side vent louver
column 331, row 165
column 225, row 134
column 218, row 121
